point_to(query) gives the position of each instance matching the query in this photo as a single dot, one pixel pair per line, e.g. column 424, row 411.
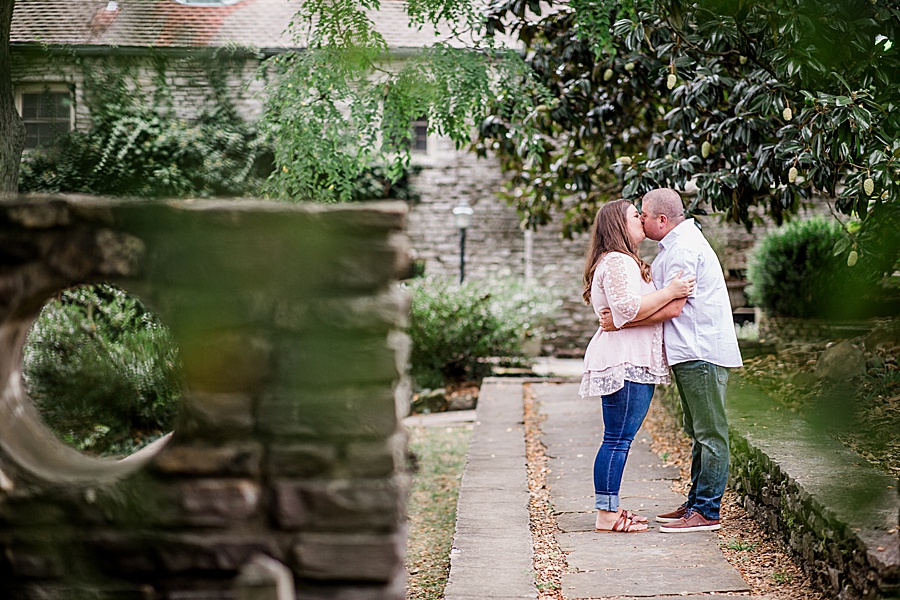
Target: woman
column 622, row 366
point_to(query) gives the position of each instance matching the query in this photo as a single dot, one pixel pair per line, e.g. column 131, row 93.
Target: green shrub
column 456, row 328
column 144, row 154
column 794, row 272
column 102, row 370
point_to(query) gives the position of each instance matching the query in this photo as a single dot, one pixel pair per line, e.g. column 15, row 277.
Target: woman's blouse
column 632, row 354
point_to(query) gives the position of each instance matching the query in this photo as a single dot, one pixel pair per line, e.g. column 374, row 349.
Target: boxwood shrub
column 794, row 272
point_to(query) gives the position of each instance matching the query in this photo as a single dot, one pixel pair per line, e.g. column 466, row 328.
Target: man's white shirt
column 705, row 328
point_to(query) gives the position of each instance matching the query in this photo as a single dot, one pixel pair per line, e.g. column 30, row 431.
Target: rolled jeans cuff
column 608, row 502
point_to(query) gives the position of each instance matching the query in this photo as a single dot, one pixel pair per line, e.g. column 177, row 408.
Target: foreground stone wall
column 838, row 515
column 288, row 450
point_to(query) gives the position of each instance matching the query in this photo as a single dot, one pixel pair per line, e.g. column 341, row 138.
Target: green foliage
column 102, row 370
column 456, row 328
column 374, row 184
column 346, row 102
column 137, row 147
column 794, row 272
column 146, row 155
column 698, row 91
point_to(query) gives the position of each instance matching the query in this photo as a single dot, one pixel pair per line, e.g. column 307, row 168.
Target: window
column 47, row 114
column 419, row 142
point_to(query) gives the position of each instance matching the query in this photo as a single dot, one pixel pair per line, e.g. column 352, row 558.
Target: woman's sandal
column 634, row 517
column 625, row 523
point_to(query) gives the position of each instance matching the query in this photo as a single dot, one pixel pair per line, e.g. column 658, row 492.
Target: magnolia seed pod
column 625, row 160
column 868, row 186
column 607, row 74
column 852, row 258
column 629, row 66
column 787, row 113
column 671, row 80
column 705, row 148
column 792, row 175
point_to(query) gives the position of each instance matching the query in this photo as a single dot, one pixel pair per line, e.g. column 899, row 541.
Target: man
column 700, row 345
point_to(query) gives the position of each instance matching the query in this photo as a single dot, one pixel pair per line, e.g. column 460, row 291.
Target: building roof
column 260, row 24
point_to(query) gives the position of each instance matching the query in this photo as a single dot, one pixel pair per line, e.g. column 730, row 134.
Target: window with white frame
column 46, row 111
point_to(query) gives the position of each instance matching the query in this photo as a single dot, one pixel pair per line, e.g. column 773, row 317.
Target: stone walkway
column 491, row 555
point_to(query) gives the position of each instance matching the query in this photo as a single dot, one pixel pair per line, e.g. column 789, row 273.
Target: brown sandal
column 635, row 517
column 625, row 523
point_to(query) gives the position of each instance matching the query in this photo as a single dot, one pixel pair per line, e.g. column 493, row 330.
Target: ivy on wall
column 137, row 145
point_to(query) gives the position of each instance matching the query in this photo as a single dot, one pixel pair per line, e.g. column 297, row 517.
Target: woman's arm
column 669, row 311
column 653, row 302
column 625, row 305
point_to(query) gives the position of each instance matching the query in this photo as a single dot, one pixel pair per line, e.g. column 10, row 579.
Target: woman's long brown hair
column 609, row 233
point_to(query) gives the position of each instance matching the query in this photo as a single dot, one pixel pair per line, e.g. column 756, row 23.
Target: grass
column 440, row 457
column 739, row 545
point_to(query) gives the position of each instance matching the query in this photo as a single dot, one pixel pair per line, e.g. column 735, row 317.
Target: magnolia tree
column 755, row 102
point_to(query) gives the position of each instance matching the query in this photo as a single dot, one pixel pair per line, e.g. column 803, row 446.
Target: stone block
column 309, row 459
column 347, row 411
column 264, row 578
column 288, row 321
column 317, row 360
column 349, row 557
column 163, row 554
column 33, row 561
column 324, row 590
column 369, row 314
column 338, row 505
column 214, row 502
column 209, row 414
column 375, row 458
column 225, row 361
column 238, row 459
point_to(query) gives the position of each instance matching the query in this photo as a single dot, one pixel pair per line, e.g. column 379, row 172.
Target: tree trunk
column 12, row 131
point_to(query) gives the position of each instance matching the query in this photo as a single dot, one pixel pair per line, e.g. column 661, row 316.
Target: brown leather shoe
column 691, row 521
column 672, row 516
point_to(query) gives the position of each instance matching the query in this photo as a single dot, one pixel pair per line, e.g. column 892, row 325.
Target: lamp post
column 462, row 216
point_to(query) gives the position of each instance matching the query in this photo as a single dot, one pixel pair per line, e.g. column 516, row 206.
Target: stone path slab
column 492, row 553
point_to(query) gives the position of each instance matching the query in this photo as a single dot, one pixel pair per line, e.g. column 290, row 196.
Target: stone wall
column 288, row 449
column 836, row 513
column 187, row 78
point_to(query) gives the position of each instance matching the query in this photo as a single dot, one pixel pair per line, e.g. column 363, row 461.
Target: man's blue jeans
column 623, row 413
column 701, row 386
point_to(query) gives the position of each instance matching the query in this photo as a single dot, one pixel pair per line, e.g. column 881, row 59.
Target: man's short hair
column 664, row 201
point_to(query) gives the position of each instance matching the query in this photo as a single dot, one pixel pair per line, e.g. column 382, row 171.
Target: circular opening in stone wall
column 102, row 371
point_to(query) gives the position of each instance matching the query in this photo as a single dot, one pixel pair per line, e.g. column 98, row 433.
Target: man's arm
column 669, row 311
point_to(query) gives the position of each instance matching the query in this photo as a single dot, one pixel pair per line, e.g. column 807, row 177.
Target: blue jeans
column 701, row 386
column 623, row 413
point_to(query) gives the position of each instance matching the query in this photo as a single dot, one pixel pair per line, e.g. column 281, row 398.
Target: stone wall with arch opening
column 288, row 449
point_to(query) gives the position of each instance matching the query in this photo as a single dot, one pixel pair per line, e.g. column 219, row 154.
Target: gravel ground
column 763, row 561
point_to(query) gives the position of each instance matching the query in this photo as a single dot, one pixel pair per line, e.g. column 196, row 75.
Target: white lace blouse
column 632, row 354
